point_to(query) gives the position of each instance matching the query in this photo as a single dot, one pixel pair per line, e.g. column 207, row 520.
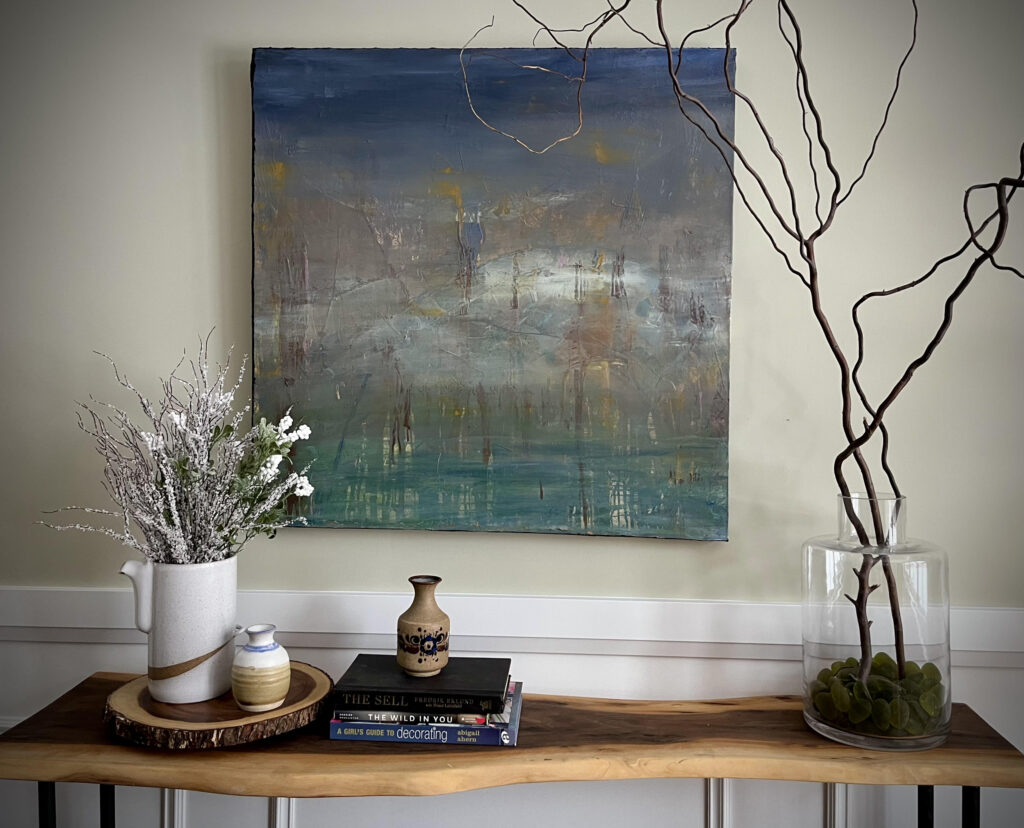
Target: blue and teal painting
column 482, row 337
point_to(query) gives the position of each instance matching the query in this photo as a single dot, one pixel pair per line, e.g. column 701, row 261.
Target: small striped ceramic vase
column 261, row 673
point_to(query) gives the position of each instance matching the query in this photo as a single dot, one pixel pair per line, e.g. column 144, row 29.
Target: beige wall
column 125, row 152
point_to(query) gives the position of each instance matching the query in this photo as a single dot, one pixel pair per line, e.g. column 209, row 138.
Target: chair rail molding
column 981, row 637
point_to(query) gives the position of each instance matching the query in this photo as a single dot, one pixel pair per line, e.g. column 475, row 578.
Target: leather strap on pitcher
column 173, row 670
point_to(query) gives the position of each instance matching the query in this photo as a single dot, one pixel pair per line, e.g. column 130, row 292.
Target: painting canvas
column 482, row 337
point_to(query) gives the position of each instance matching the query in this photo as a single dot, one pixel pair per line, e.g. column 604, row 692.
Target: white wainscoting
column 612, row 647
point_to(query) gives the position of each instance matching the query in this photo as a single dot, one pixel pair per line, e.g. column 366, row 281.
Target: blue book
column 494, row 732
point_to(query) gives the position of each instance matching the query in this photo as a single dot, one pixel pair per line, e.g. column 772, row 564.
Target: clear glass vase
column 876, row 631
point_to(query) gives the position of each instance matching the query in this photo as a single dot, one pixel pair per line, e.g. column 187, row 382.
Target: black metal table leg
column 925, row 806
column 970, row 810
column 107, row 806
column 47, row 804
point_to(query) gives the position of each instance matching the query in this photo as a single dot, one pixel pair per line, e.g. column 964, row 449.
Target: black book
column 465, row 685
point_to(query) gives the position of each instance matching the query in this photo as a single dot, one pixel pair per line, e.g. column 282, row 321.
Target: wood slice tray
column 136, row 716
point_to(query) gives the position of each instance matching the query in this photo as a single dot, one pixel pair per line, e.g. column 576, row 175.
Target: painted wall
column 125, row 229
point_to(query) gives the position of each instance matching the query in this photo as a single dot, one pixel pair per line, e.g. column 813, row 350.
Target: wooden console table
column 561, row 739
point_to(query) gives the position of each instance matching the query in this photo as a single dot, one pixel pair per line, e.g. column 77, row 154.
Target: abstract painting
column 482, row 337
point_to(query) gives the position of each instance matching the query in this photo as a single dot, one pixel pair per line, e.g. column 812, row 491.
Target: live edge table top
column 561, row 739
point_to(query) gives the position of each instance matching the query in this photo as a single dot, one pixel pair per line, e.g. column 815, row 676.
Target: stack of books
column 472, row 701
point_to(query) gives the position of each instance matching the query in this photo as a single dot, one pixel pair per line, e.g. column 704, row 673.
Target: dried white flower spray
column 191, row 487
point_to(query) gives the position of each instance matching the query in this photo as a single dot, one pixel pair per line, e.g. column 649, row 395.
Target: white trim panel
column 625, row 626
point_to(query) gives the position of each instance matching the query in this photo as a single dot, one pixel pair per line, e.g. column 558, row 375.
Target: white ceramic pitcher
column 188, row 611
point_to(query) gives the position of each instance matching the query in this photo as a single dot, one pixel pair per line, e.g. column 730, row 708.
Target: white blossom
column 154, row 442
column 269, row 470
column 193, row 486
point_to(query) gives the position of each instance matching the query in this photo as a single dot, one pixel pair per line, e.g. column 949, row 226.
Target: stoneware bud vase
column 262, row 672
column 188, row 612
column 423, row 630
column 876, row 631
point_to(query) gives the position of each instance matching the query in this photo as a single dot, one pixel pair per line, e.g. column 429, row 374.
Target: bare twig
column 756, row 115
column 974, row 233
column 888, row 107
column 816, row 116
column 600, row 23
column 785, row 227
column 803, row 118
column 1004, row 188
column 860, row 604
column 682, row 98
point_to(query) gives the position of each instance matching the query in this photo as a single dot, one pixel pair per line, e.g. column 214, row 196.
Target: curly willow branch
column 828, row 199
column 888, row 106
column 859, row 328
column 1004, row 190
column 599, row 23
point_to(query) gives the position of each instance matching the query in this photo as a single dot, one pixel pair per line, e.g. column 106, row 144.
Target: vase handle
column 141, row 575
